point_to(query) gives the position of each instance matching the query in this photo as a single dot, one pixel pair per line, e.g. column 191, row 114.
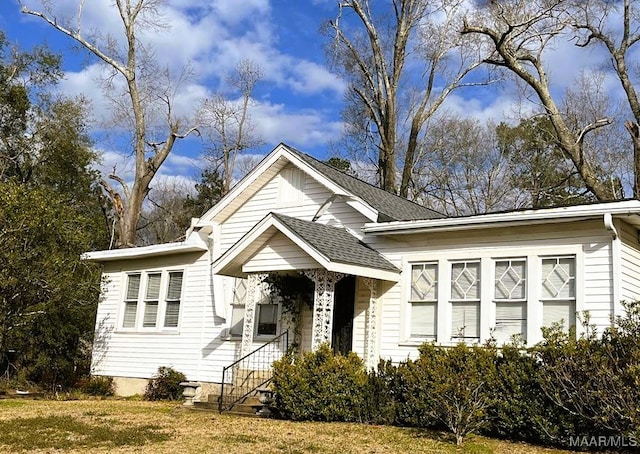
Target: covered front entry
column 338, row 264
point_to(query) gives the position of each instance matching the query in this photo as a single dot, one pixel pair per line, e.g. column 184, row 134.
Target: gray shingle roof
column 336, row 244
column 390, row 207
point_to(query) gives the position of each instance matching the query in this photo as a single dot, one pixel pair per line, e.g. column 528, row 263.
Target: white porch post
column 323, row 300
column 371, row 336
column 254, row 295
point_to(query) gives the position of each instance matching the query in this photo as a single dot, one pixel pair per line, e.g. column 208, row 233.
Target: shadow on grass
column 470, row 446
column 65, row 432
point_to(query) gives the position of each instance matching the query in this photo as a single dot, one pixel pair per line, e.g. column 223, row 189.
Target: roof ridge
column 389, row 212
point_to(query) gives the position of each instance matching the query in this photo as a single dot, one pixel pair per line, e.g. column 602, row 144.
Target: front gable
column 285, row 179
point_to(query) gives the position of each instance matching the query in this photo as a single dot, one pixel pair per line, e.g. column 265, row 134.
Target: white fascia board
column 270, row 221
column 364, row 271
column 236, row 249
column 266, row 223
column 355, row 202
column 513, row 218
column 142, row 252
column 239, row 188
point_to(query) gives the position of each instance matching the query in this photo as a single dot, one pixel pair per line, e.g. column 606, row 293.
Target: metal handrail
column 261, row 357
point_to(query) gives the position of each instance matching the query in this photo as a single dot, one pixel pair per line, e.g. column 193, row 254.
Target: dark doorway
column 343, row 308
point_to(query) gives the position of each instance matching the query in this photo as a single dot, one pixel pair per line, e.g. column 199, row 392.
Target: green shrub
column 165, row 385
column 321, row 386
column 596, row 378
column 458, row 391
column 521, row 410
column 97, row 386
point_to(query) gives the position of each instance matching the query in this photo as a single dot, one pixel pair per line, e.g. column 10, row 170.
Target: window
column 174, row 292
column 131, row 301
column 558, row 290
column 510, row 299
column 424, row 300
column 151, row 300
column 155, row 294
column 267, row 319
column 465, row 300
column 237, row 310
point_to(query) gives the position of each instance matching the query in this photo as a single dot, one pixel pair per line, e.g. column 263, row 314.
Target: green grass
column 65, row 432
column 106, row 426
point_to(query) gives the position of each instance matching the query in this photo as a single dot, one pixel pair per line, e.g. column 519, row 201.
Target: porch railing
column 250, row 372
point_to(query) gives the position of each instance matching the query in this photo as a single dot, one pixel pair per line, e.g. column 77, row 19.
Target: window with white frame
column 152, row 300
column 510, row 297
column 424, row 300
column 174, row 294
column 131, row 301
column 237, row 307
column 558, row 291
column 465, row 300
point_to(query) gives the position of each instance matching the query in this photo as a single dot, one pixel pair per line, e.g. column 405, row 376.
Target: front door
column 343, row 308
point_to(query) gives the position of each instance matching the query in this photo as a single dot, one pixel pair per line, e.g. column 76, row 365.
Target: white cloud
column 304, row 128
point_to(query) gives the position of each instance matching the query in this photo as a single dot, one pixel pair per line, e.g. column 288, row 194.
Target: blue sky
column 299, row 100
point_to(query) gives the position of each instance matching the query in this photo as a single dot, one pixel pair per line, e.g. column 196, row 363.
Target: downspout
column 616, row 257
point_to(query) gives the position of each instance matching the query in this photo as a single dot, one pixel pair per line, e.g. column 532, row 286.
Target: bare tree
column 167, row 214
column 136, row 65
column 387, row 109
column 226, row 123
column 616, row 26
column 462, row 171
column 517, row 32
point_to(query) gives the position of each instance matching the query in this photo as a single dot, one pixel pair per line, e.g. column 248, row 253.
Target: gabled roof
column 390, row 207
column 333, row 248
column 336, row 243
column 377, row 204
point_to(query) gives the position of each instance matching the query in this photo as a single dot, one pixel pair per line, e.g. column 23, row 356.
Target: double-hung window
column 131, row 301
column 558, row 291
column 152, row 300
column 465, row 300
column 424, row 300
column 174, row 293
column 510, row 296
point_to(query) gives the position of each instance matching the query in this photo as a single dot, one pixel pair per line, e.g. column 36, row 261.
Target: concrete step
column 248, row 406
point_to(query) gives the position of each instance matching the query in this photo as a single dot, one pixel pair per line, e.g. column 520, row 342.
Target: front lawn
column 159, row 427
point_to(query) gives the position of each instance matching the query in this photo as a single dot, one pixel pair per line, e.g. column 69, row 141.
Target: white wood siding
column 630, row 262
column 588, row 237
column 196, row 348
column 266, row 201
column 279, row 254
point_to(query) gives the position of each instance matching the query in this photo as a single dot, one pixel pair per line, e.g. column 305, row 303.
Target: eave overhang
column 155, row 250
column 231, row 262
column 629, row 210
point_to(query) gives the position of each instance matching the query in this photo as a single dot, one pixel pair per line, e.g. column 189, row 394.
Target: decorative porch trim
column 371, row 336
column 254, row 294
column 323, row 301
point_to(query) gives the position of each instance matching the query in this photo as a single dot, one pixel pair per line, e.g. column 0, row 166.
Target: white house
column 388, row 275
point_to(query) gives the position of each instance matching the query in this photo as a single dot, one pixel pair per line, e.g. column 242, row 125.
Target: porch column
column 371, row 336
column 325, row 283
column 253, row 297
